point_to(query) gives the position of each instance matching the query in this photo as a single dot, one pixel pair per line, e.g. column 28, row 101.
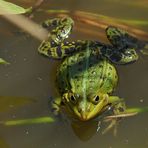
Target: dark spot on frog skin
column 81, row 55
column 59, row 52
column 69, row 50
column 91, row 81
column 76, row 77
column 72, row 61
column 67, row 75
column 116, row 77
column 110, row 67
column 80, row 69
column 64, row 65
column 121, row 109
column 101, row 66
column 80, row 63
column 93, row 72
column 62, row 82
column 78, row 85
column 49, row 53
column 90, row 65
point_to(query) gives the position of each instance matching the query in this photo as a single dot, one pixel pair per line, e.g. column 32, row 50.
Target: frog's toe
column 114, row 31
column 116, row 35
column 144, row 49
column 55, row 108
column 55, row 111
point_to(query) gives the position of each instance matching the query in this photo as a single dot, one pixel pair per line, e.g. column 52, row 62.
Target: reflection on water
column 32, row 76
column 85, row 130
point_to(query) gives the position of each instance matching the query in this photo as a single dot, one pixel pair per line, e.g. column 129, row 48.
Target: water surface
column 31, row 77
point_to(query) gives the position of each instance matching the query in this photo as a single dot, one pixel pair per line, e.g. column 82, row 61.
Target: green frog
column 87, row 77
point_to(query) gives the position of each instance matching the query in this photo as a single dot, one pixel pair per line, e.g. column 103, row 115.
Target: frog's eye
column 96, row 99
column 73, row 99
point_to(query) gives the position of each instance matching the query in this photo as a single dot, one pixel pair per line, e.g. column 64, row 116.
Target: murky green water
column 31, row 77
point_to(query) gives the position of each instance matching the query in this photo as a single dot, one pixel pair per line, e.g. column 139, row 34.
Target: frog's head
column 85, row 108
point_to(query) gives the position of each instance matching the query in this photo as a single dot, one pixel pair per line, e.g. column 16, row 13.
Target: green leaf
column 2, row 61
column 10, row 8
column 38, row 120
column 137, row 110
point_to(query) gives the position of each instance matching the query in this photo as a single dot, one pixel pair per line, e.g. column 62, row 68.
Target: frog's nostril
column 79, row 109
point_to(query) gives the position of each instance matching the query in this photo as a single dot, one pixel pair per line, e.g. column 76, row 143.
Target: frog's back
column 86, row 71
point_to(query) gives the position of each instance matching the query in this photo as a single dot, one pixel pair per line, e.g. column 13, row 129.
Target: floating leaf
column 2, row 61
column 10, row 8
column 28, row 121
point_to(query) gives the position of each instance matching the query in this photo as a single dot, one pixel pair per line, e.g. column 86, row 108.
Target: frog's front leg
column 56, row 103
column 118, row 107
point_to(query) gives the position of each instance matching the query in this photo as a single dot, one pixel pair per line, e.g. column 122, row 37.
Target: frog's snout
column 83, row 112
column 83, row 115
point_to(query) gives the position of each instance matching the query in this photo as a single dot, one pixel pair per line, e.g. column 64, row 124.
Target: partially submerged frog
column 87, row 77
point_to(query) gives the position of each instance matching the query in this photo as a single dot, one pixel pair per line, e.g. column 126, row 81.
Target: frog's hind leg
column 59, row 51
column 122, row 39
column 55, row 46
column 60, row 28
column 124, row 46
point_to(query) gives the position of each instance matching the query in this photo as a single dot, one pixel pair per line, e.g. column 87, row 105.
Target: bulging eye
column 73, row 99
column 96, row 99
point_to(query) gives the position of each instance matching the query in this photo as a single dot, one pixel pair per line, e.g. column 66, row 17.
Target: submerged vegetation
column 2, row 61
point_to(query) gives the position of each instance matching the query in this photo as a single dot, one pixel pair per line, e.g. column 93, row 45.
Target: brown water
column 31, row 77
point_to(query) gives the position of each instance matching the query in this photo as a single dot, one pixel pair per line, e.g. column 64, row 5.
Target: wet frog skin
column 87, row 77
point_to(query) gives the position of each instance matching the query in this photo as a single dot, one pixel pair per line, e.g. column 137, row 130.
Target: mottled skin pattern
column 87, row 77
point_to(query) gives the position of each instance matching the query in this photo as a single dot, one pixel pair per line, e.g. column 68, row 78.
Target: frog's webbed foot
column 122, row 39
column 56, row 105
column 123, row 56
column 118, row 108
column 54, row 46
column 61, row 28
column 124, row 46
column 144, row 50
